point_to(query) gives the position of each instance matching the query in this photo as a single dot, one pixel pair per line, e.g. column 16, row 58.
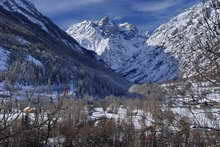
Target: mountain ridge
column 182, row 35
column 123, row 48
column 24, row 32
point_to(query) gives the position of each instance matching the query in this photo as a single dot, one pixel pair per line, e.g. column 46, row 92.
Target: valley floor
column 176, row 113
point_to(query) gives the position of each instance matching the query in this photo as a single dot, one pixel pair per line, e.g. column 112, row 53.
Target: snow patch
column 3, row 59
column 34, row 60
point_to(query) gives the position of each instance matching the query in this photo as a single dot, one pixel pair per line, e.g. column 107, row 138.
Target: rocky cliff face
column 123, row 48
column 34, row 50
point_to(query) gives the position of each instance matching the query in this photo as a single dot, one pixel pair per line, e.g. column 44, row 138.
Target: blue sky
column 147, row 14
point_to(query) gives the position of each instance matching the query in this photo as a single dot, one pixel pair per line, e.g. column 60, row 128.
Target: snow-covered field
column 200, row 107
column 201, row 113
column 138, row 117
column 23, row 92
column 198, row 118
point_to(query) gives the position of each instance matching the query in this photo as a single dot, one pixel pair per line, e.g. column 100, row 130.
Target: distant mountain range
column 123, row 48
column 96, row 55
column 167, row 54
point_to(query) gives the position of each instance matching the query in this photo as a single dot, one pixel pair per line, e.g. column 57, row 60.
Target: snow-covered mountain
column 181, row 35
column 123, row 48
column 33, row 50
column 179, row 32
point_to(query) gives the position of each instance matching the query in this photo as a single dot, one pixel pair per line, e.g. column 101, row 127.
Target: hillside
column 36, row 51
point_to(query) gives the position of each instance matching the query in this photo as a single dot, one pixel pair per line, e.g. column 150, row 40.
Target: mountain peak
column 128, row 27
column 104, row 21
column 122, row 48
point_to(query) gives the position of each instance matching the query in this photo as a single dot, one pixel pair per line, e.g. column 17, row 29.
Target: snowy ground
column 22, row 92
column 203, row 113
column 137, row 117
column 204, row 118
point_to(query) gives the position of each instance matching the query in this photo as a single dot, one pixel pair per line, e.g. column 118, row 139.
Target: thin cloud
column 68, row 12
column 62, row 6
column 117, row 18
column 155, row 6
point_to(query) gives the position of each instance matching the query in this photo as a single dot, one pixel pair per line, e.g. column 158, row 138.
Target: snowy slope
column 27, row 9
column 34, row 60
column 3, row 59
column 180, row 35
column 22, row 7
column 122, row 48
